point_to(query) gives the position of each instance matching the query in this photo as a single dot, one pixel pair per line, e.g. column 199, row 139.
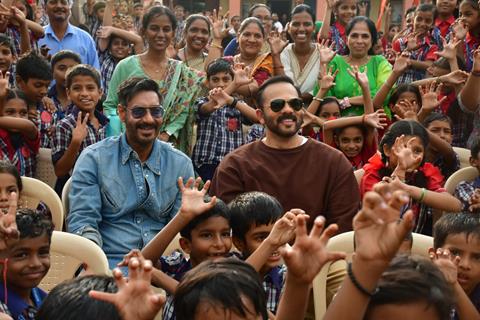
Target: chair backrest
column 35, row 191
column 45, row 170
column 359, row 175
column 344, row 242
column 464, row 174
column 68, row 252
column 65, row 201
column 463, row 155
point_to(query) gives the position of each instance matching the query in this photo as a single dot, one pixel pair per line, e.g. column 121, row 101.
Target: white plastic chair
column 359, row 175
column 464, row 156
column 68, row 252
column 344, row 242
column 35, row 191
column 45, row 170
column 65, row 201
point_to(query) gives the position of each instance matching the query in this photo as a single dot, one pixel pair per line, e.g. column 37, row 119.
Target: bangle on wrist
column 234, row 102
column 214, row 45
column 357, row 285
column 422, row 195
column 317, row 99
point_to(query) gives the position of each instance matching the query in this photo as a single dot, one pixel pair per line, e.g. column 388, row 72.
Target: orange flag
column 380, row 14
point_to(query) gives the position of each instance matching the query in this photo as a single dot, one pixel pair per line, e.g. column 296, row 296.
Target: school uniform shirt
column 19, row 308
column 107, row 65
column 464, row 192
column 338, row 35
column 47, row 120
column 20, row 151
column 362, row 158
column 474, row 298
column 462, row 122
column 471, row 44
column 425, row 52
column 218, row 133
column 441, row 29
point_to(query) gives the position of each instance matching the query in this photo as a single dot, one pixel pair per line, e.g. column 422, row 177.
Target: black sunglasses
column 278, row 104
column 139, row 112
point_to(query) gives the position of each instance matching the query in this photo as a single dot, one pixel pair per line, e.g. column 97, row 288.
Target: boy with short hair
column 457, row 237
column 204, row 226
column 83, row 126
column 7, row 59
column 468, row 192
column 33, row 76
column 254, row 217
column 219, row 118
column 28, row 263
column 61, row 62
column 419, row 44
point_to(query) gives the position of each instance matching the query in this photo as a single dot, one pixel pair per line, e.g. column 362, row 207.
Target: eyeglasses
column 139, row 112
column 278, row 104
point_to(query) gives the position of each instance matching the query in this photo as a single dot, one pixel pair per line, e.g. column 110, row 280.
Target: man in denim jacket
column 124, row 189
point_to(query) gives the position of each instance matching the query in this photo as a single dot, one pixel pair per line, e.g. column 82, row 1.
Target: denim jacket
column 121, row 203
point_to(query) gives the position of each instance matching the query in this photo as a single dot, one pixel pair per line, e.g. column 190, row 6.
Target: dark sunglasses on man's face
column 140, row 112
column 278, row 104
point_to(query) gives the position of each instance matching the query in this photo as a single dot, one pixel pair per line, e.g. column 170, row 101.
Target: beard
column 274, row 125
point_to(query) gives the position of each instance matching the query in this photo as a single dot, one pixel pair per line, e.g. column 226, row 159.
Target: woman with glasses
column 179, row 85
column 361, row 35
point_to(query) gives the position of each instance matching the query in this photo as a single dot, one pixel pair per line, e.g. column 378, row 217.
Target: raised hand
column 377, row 120
column 277, row 44
column 193, row 203
column 459, row 29
column 218, row 24
column 4, row 83
column 326, row 77
column 8, row 222
column 104, row 32
column 446, row 262
column 309, row 252
column 405, row 110
column 220, row 97
column 378, row 230
column 449, row 51
column 326, row 51
column 430, row 96
column 456, row 77
column 81, row 131
column 402, row 62
column 241, row 75
column 407, row 159
column 284, row 228
column 359, row 76
column 134, row 253
column 49, row 104
column 412, row 40
column 135, row 299
column 362, row 8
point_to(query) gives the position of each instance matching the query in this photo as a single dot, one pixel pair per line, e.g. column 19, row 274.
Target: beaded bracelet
column 357, row 284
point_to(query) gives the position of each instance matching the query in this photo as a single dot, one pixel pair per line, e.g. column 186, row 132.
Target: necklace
column 158, row 69
column 194, row 62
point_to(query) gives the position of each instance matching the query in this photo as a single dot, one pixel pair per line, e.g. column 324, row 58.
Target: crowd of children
column 394, row 104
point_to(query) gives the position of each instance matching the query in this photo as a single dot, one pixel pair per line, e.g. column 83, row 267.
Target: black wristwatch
column 234, row 102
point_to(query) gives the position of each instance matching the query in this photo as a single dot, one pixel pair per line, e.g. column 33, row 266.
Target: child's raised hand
column 218, row 23
column 277, row 44
column 456, row 77
column 430, row 95
column 80, row 132
column 193, row 203
column 284, row 228
column 446, row 262
column 8, row 222
column 459, row 29
column 359, row 76
column 379, row 231
column 4, row 83
column 377, row 120
column 220, row 97
column 135, row 299
column 402, row 62
column 326, row 77
column 126, row 258
column 309, row 253
column 407, row 159
column 104, row 32
column 412, row 41
column 449, row 51
column 405, row 110
column 326, row 51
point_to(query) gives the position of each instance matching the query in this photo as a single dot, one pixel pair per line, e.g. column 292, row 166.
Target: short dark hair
column 304, row 8
column 436, row 116
column 7, row 42
column 223, row 282
column 99, row 5
column 8, row 168
column 371, row 28
column 269, row 82
column 158, row 10
column 70, row 300
column 133, row 86
column 410, row 10
column 404, row 87
column 33, row 66
column 32, row 224
column 219, row 210
column 455, row 223
column 475, row 148
column 325, row 101
column 82, row 70
column 253, row 209
column 411, row 279
column 64, row 54
column 219, row 65
column 426, row 7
